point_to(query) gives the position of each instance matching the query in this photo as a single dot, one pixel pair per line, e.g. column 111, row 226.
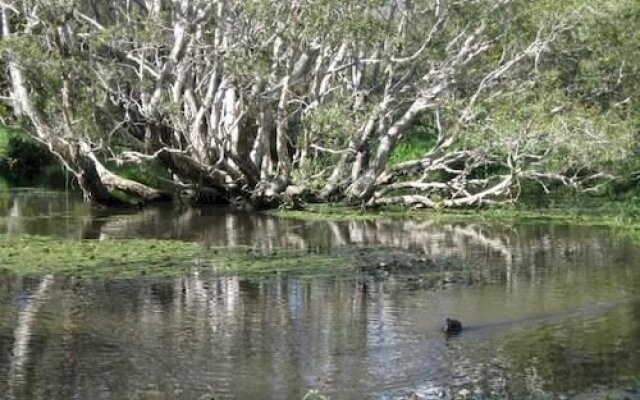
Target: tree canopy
column 431, row 103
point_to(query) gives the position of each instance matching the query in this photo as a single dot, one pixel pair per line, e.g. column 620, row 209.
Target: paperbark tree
column 261, row 102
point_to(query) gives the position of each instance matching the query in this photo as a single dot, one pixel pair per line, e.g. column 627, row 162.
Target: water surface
column 558, row 314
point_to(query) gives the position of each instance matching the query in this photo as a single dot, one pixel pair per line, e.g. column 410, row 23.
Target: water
column 557, row 317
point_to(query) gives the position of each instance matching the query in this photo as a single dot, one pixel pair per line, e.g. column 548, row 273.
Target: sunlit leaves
column 548, row 124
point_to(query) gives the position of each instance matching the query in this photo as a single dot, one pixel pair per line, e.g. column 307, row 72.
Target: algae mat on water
column 36, row 255
column 115, row 259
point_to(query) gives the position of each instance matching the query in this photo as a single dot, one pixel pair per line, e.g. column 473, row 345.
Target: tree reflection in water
column 561, row 313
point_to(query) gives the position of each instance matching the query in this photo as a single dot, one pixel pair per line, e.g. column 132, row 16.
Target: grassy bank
column 600, row 212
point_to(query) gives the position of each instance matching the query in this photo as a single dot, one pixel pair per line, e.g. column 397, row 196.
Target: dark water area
column 557, row 315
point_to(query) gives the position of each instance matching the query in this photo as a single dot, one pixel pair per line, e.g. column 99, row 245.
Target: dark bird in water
column 452, row 326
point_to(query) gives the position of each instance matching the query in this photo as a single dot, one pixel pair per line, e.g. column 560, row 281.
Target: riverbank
column 594, row 212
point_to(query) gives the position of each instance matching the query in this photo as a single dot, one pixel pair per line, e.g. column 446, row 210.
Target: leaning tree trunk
column 362, row 189
column 96, row 181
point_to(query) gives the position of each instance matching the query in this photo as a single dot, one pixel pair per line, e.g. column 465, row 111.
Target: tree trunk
column 76, row 156
column 282, row 133
column 362, row 189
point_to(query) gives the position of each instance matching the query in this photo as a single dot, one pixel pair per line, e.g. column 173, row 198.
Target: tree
column 263, row 102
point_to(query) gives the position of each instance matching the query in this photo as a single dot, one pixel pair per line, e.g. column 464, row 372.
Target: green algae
column 279, row 262
column 122, row 258
column 36, row 255
column 136, row 258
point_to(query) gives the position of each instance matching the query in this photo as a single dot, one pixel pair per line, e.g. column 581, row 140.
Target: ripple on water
column 558, row 312
column 284, row 336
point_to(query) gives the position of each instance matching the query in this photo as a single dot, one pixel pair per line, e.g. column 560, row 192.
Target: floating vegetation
column 129, row 258
column 36, row 255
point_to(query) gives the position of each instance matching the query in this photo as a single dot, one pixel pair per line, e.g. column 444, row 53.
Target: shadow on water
column 559, row 313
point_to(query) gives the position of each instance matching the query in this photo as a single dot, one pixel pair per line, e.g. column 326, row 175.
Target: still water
column 557, row 315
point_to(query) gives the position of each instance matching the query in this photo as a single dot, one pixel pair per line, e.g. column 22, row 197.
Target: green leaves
column 419, row 140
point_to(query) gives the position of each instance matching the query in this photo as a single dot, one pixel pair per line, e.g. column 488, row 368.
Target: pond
column 553, row 311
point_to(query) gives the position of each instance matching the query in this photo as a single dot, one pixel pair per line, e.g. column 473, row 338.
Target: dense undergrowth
column 25, row 162
column 547, row 94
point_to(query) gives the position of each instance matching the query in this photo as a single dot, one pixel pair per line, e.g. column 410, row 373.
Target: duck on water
column 452, row 326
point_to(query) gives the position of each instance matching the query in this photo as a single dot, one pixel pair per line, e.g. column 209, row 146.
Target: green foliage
column 545, row 122
column 331, row 127
column 598, row 58
column 148, row 172
column 333, row 123
column 5, row 133
column 4, row 184
column 331, row 21
column 419, row 140
column 25, row 161
column 577, row 103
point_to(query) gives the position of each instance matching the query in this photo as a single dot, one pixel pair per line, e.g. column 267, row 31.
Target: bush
column 22, row 159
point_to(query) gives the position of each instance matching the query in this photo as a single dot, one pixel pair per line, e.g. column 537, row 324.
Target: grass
column 327, row 212
column 416, row 143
